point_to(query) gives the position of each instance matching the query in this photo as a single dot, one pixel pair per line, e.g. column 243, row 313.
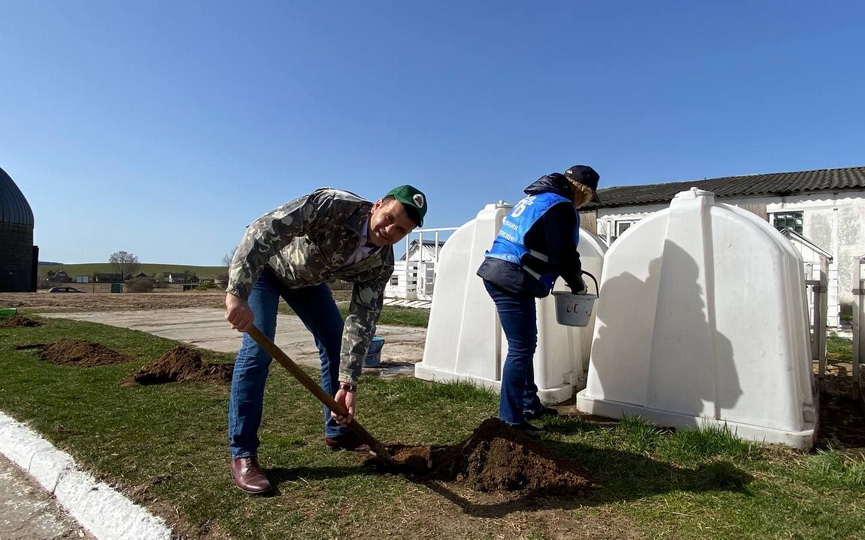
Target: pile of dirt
column 838, row 381
column 79, row 352
column 180, row 364
column 495, row 458
column 842, row 424
column 18, row 321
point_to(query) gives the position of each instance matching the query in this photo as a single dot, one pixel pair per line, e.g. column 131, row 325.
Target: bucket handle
column 597, row 289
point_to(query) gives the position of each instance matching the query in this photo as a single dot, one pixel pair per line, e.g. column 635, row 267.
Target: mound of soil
column 79, row 352
column 19, row 321
column 495, row 458
column 180, row 364
column 842, row 424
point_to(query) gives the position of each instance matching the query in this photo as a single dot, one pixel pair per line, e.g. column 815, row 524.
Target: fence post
column 820, row 303
column 858, row 321
column 406, row 270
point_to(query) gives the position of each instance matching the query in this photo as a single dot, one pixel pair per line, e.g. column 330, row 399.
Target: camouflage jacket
column 306, row 242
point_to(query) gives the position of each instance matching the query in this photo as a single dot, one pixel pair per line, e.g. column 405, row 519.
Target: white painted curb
column 97, row 507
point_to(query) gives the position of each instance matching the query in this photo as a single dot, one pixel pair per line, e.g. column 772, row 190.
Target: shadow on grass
column 280, row 475
column 619, row 476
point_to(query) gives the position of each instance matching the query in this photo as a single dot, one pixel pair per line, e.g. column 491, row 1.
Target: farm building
column 19, row 257
column 415, row 272
column 824, row 209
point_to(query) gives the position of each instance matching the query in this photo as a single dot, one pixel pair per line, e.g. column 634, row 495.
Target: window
column 610, row 229
column 624, row 225
column 788, row 220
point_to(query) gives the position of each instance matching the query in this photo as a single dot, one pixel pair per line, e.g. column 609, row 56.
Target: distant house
column 826, row 207
column 61, row 277
column 140, row 275
column 428, row 250
column 414, row 273
column 180, row 277
column 103, row 277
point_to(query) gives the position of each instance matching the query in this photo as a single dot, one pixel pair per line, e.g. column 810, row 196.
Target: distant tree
column 125, row 264
column 226, row 261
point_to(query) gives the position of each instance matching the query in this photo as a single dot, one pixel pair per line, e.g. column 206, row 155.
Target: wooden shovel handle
column 316, row 390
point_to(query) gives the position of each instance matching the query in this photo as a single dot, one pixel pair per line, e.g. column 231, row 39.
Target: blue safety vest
column 510, row 244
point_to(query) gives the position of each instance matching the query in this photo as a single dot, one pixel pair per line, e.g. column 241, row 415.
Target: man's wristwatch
column 348, row 387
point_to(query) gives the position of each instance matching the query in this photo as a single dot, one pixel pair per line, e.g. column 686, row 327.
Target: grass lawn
column 390, row 315
column 838, row 349
column 165, row 447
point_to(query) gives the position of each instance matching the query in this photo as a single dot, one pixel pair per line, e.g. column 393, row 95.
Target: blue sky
column 163, row 128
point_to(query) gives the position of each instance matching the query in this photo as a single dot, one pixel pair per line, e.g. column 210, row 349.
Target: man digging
column 291, row 252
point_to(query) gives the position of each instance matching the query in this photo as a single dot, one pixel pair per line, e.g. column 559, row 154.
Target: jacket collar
column 358, row 219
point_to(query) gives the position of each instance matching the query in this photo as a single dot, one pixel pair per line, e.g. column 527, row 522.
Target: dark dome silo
column 18, row 257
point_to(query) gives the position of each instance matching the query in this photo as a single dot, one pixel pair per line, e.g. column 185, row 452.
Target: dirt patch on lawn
column 181, row 364
column 81, row 353
column 495, row 458
column 842, row 424
column 19, row 321
column 842, row 418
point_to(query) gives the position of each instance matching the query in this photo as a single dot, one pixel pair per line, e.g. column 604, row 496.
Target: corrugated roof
column 14, row 208
column 737, row 186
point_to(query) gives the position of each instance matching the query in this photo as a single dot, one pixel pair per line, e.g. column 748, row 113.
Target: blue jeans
column 518, row 316
column 316, row 308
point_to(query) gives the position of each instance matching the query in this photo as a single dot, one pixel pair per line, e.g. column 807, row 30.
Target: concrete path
column 44, row 495
column 59, row 488
column 206, row 328
column 28, row 512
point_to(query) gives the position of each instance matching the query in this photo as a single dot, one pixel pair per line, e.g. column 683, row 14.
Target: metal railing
column 412, row 264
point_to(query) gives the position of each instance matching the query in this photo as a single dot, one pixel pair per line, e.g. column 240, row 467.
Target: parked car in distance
column 64, row 289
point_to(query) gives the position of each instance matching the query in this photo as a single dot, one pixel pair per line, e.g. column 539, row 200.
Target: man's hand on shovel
column 345, row 396
column 346, row 406
column 238, row 313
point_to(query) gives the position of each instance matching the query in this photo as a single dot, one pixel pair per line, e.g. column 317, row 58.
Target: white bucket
column 575, row 309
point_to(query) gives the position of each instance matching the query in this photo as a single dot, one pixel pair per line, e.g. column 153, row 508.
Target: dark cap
column 583, row 174
column 413, row 200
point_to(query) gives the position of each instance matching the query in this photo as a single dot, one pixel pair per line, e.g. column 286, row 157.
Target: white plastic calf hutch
column 465, row 340
column 703, row 320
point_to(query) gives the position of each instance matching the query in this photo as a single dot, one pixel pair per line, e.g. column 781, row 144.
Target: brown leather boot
column 347, row 441
column 248, row 475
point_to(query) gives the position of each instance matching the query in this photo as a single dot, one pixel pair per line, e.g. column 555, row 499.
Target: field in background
column 150, row 269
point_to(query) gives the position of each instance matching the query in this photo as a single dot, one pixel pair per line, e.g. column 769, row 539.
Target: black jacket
column 552, row 235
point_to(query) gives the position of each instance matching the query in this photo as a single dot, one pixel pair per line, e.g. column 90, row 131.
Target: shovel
column 376, row 447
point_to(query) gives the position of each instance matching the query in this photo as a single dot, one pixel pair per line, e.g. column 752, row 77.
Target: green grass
column 838, row 349
column 390, row 315
column 165, row 446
